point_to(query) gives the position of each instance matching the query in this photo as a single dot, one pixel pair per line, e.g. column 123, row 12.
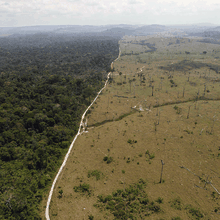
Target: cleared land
column 168, row 112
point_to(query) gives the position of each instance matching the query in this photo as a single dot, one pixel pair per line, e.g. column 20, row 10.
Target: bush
column 176, row 203
column 91, row 217
column 108, row 159
column 154, row 208
column 159, row 200
column 129, row 141
column 130, row 203
column 195, row 212
column 83, row 188
column 60, row 193
column 95, row 173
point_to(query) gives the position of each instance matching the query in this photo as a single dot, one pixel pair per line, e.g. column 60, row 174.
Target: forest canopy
column 46, row 82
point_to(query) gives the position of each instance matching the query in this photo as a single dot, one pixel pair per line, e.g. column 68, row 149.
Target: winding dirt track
column 71, row 146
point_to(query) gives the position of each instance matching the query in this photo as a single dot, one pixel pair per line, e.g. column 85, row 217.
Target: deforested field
column 151, row 149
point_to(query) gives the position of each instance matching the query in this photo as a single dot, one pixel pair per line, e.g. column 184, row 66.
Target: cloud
column 105, row 11
column 92, row 3
column 134, row 2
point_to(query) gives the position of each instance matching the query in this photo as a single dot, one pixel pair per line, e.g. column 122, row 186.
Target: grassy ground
column 168, row 112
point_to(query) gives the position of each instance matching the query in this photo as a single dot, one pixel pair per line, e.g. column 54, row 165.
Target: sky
column 16, row 13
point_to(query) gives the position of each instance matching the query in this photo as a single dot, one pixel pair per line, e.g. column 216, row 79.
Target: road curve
column 71, row 146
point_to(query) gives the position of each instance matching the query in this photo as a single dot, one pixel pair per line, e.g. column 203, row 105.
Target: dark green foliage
column 150, row 156
column 153, row 207
column 176, row 203
column 131, row 141
column 217, row 209
column 214, row 195
column 60, row 193
column 44, row 89
column 108, row 159
column 130, row 203
column 194, row 212
column 83, row 188
column 95, row 173
column 159, row 200
column 178, row 110
column 176, row 218
column 187, row 65
column 91, row 217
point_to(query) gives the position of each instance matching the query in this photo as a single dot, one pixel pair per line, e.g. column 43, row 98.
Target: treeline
column 43, row 93
column 56, row 54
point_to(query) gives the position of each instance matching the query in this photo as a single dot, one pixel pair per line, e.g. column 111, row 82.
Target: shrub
column 159, row 200
column 60, row 194
column 176, row 203
column 130, row 203
column 154, row 208
column 151, row 156
column 129, row 141
column 83, row 188
column 95, row 173
column 91, row 217
column 108, row 159
column 195, row 212
column 178, row 110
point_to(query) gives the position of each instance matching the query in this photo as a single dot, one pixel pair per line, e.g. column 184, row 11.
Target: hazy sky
column 100, row 12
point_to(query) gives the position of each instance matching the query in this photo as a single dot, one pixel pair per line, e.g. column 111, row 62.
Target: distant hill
column 117, row 31
column 110, row 30
column 214, row 29
column 72, row 29
column 150, row 29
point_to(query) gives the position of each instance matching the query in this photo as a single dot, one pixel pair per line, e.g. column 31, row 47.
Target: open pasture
column 156, row 128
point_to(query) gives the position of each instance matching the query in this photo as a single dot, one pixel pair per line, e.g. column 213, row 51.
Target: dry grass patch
column 175, row 125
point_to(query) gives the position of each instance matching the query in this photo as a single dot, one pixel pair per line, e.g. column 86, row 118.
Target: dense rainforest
column 46, row 82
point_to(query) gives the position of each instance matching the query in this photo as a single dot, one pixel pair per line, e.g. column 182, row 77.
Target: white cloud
column 105, row 11
column 134, row 2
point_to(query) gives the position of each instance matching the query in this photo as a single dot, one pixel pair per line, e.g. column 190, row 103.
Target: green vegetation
column 131, row 141
column 178, row 110
column 159, row 200
column 150, row 156
column 83, row 188
column 43, row 93
column 194, row 212
column 176, row 203
column 132, row 202
column 96, row 173
column 60, row 194
column 108, row 159
column 91, row 217
column 38, row 119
